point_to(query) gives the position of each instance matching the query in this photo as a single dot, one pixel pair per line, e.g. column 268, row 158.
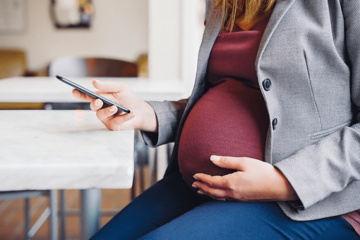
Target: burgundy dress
column 231, row 118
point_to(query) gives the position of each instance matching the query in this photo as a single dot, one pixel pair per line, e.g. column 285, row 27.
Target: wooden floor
column 12, row 212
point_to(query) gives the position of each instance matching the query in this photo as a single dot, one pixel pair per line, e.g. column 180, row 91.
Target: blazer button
column 266, row 84
column 274, row 123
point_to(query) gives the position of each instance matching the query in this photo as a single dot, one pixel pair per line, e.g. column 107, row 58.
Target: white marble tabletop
column 62, row 150
column 49, row 89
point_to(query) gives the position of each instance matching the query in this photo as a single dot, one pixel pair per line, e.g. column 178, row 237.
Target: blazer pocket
column 314, row 137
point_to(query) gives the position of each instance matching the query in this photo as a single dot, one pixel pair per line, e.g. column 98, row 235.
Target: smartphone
column 106, row 101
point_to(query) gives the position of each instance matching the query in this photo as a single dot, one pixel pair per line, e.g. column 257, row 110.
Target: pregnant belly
column 229, row 120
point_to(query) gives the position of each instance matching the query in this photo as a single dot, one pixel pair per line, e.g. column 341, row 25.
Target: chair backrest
column 12, row 63
column 92, row 67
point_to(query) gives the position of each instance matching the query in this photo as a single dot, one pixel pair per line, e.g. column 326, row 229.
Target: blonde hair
column 249, row 8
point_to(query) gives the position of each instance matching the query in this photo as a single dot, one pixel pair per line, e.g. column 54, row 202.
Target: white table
column 50, row 90
column 63, row 150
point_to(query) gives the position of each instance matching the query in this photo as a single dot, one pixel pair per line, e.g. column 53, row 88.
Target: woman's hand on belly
column 254, row 180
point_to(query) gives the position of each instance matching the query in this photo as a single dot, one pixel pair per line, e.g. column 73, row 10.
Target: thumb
column 228, row 162
column 109, row 86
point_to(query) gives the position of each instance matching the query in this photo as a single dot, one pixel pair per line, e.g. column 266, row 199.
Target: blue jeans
column 172, row 210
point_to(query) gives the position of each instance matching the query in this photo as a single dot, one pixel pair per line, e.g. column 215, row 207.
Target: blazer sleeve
column 328, row 166
column 168, row 114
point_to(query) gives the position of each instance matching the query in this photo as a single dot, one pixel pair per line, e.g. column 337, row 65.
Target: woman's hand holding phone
column 142, row 115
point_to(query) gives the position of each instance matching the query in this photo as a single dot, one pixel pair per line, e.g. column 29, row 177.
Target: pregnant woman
column 268, row 144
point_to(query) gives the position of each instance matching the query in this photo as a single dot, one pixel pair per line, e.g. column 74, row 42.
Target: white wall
column 119, row 29
column 192, row 15
column 175, row 30
column 164, row 39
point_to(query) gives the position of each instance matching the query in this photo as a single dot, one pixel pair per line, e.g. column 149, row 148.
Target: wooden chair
column 13, row 63
column 92, row 67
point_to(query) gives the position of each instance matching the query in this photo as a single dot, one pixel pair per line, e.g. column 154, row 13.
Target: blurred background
column 157, row 40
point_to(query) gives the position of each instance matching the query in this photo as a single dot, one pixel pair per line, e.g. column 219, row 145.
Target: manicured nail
column 97, row 102
column 215, row 158
column 200, row 192
column 194, row 186
column 195, row 177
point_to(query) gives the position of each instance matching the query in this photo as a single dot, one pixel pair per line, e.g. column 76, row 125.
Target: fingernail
column 200, row 192
column 194, row 186
column 97, row 102
column 215, row 158
column 195, row 177
column 113, row 109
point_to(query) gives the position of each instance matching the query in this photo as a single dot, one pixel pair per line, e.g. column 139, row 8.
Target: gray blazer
column 310, row 53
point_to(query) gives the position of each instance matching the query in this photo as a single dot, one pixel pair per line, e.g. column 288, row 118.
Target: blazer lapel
column 213, row 27
column 278, row 13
